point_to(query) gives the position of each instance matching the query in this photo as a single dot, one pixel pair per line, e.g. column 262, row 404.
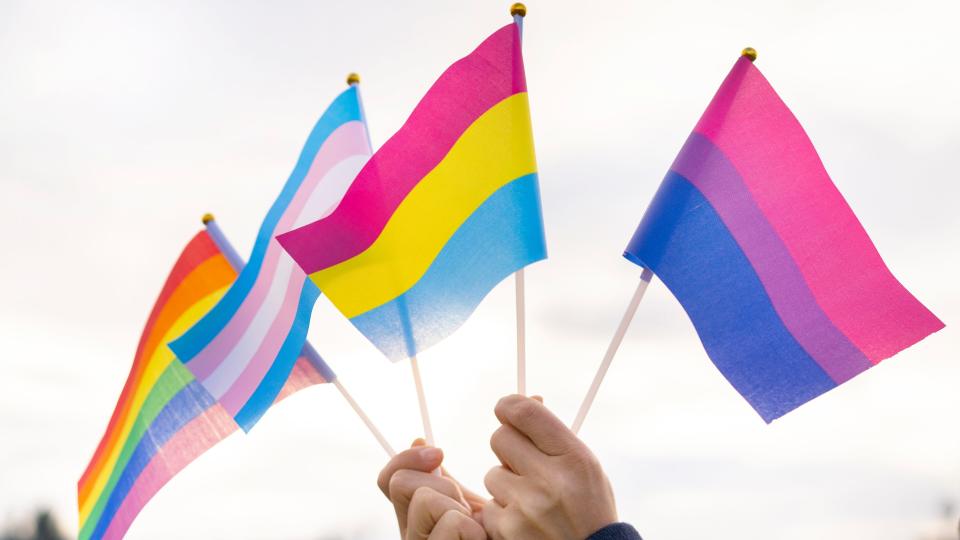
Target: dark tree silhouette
column 44, row 527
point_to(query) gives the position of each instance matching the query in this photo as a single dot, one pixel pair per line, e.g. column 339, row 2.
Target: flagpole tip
column 207, row 218
column 518, row 9
column 353, row 79
column 750, row 53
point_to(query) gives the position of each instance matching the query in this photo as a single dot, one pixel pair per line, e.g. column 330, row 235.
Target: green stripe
column 171, row 381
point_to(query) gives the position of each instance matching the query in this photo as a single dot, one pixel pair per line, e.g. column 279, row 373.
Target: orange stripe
column 209, row 276
column 200, row 248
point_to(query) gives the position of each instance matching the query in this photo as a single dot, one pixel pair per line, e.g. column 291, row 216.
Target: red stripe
column 200, row 248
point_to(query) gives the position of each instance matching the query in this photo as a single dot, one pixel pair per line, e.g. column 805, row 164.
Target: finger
column 540, row 425
column 423, row 459
column 494, row 519
column 537, row 398
column 455, row 526
column 473, row 500
column 515, row 450
column 503, row 484
column 426, row 509
column 406, row 482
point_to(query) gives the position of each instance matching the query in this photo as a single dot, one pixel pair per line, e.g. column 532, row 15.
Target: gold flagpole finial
column 750, row 53
column 353, row 79
column 518, row 9
column 207, row 218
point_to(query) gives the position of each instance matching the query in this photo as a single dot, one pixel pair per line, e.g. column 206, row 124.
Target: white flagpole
column 521, row 335
column 519, row 11
column 645, row 277
column 422, row 400
column 424, row 412
column 236, row 261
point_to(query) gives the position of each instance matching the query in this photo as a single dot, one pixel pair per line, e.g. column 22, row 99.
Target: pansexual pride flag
column 244, row 348
column 164, row 418
column 781, row 281
column 445, row 210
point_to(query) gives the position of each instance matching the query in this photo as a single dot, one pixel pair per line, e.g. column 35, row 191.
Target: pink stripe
column 467, row 89
column 198, row 436
column 749, row 122
column 302, row 376
column 194, row 439
column 260, row 362
column 348, row 140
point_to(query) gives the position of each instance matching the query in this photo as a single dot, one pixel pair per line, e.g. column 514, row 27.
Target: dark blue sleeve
column 616, row 531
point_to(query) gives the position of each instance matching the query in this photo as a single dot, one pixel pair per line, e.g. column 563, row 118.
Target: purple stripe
column 706, row 166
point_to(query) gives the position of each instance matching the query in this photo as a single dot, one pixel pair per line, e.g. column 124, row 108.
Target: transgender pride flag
column 243, row 350
column 164, row 419
column 781, row 281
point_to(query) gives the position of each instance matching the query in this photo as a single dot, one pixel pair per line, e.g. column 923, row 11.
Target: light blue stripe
column 266, row 393
column 345, row 108
column 502, row 236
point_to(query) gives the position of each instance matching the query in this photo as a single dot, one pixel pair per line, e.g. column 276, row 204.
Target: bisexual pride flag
column 244, row 348
column 164, row 419
column 786, row 290
column 445, row 210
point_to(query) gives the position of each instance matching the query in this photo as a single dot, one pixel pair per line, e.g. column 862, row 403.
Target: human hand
column 549, row 484
column 427, row 505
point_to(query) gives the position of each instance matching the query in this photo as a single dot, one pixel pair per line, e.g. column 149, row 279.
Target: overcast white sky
column 121, row 124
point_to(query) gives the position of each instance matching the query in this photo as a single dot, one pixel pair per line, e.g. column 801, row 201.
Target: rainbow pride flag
column 244, row 348
column 787, row 292
column 164, row 418
column 445, row 210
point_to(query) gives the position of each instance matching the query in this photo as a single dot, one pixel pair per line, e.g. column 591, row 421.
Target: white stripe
column 330, row 190
column 237, row 360
column 327, row 195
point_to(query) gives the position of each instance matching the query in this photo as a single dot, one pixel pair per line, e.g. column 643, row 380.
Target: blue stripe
column 345, row 108
column 502, row 236
column 279, row 371
column 686, row 244
column 191, row 401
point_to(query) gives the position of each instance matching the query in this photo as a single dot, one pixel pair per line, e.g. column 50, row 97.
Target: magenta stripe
column 467, row 89
column 752, row 126
column 705, row 166
column 241, row 390
column 347, row 140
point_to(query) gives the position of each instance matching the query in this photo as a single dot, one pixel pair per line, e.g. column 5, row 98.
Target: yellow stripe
column 159, row 360
column 495, row 149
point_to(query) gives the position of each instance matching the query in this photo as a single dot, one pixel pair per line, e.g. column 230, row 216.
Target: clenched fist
column 549, row 484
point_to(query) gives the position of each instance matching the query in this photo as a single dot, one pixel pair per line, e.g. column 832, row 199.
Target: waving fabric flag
column 164, row 418
column 244, row 348
column 444, row 211
column 781, row 281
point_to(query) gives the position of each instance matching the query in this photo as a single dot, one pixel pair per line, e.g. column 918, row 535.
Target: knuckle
column 544, row 500
column 490, row 479
column 496, row 440
column 421, row 497
column 451, row 488
column 582, row 459
column 398, row 486
column 508, row 402
column 383, row 481
column 525, row 411
column 515, row 526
